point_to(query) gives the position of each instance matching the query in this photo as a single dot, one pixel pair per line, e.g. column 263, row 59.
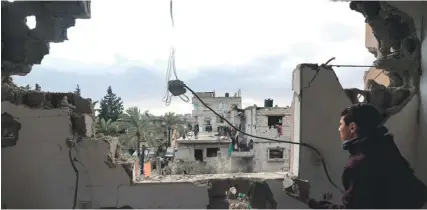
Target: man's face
column 347, row 132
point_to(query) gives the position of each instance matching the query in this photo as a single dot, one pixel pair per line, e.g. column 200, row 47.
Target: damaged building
column 221, row 104
column 396, row 85
column 269, row 122
column 44, row 165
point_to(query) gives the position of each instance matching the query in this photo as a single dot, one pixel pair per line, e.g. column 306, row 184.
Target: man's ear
column 353, row 127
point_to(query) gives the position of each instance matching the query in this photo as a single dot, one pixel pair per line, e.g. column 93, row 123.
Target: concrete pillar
column 317, row 106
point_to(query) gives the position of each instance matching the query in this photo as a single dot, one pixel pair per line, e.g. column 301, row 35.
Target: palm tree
column 106, row 127
column 170, row 121
column 137, row 124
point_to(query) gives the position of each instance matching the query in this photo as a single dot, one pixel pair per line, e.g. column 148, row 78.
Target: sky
column 221, row 45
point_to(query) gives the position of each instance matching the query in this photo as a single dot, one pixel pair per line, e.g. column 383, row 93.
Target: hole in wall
column 360, row 98
column 31, row 22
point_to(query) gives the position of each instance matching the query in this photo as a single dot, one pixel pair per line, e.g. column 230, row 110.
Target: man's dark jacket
column 377, row 176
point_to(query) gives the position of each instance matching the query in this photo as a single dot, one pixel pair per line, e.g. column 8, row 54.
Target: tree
column 138, row 125
column 171, row 121
column 106, row 127
column 37, row 87
column 77, row 91
column 111, row 106
column 28, row 87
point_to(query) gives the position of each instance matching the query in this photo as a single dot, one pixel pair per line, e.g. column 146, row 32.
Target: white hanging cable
column 172, row 68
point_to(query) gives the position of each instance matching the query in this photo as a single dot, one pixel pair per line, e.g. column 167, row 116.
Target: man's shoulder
column 357, row 160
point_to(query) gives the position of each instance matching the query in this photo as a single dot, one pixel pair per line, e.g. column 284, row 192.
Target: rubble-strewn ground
column 239, row 203
column 207, row 177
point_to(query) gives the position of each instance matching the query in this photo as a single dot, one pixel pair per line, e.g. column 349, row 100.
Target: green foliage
column 170, row 119
column 37, row 87
column 137, row 125
column 28, row 87
column 147, row 129
column 111, row 106
column 106, row 127
column 77, row 91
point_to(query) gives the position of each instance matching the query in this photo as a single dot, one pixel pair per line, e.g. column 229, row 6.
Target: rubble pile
column 203, row 178
column 239, row 203
column 45, row 100
column 237, row 200
column 191, row 168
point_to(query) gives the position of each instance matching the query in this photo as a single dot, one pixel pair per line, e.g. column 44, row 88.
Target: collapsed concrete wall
column 317, row 101
column 21, row 46
column 418, row 12
column 397, row 49
column 80, row 110
column 38, row 172
column 37, row 169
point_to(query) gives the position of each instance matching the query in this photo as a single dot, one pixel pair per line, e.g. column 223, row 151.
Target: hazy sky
column 221, row 45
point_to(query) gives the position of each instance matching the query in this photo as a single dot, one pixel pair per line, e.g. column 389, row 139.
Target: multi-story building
column 221, row 104
column 270, row 122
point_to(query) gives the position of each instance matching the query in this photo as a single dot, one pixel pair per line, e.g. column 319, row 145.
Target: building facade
column 221, row 104
column 269, row 122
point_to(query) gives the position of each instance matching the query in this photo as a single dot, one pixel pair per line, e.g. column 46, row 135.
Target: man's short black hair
column 365, row 116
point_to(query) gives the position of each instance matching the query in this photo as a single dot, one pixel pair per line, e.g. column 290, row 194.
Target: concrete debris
column 79, row 109
column 45, row 100
column 23, row 46
column 239, row 203
column 237, row 200
column 204, row 178
column 115, row 156
column 398, row 54
column 191, row 168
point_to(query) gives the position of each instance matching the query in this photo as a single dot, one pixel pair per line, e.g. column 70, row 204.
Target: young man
column 376, row 175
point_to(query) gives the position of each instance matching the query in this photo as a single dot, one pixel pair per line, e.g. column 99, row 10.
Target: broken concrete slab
column 316, row 102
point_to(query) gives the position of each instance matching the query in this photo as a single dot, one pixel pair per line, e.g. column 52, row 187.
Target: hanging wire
column 324, row 165
column 172, row 67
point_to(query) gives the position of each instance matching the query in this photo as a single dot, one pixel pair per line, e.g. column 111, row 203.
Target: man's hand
column 300, row 190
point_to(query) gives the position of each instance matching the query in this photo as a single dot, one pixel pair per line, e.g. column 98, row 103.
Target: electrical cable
column 172, row 67
column 177, row 86
column 269, row 139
